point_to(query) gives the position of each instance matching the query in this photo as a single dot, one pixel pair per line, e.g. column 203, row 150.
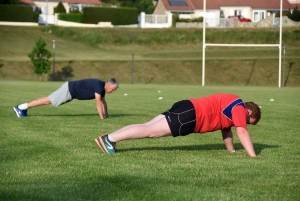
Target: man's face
column 249, row 119
column 110, row 88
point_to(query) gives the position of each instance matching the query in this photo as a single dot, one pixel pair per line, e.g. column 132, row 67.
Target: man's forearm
column 246, row 141
column 100, row 110
column 228, row 140
column 105, row 109
column 247, row 144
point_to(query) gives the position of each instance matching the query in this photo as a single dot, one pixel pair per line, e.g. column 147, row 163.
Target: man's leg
column 157, row 118
column 39, row 102
column 157, row 127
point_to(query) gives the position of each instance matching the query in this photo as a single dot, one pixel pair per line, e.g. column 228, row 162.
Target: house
column 68, row 4
column 255, row 10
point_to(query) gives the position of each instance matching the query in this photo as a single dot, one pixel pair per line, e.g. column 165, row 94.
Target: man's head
column 111, row 85
column 254, row 113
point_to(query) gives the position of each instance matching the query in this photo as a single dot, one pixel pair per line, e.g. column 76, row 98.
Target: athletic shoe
column 106, row 145
column 99, row 145
column 19, row 113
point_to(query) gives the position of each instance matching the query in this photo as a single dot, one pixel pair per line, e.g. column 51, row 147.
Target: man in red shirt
column 206, row 114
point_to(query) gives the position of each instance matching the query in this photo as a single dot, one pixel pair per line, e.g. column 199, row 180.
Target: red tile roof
column 26, row 2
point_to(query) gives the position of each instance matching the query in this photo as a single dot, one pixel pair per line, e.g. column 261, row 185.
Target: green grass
column 51, row 154
column 172, row 56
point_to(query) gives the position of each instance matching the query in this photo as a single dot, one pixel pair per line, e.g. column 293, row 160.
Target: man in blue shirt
column 85, row 89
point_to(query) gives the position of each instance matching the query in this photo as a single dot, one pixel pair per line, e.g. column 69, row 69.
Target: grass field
column 51, row 154
column 161, row 56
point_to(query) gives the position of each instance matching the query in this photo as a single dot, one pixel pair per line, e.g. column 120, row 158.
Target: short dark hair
column 256, row 113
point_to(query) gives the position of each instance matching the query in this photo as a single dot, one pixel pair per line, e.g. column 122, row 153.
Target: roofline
column 180, row 11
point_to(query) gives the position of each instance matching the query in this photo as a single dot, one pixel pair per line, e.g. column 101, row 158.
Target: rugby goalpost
column 240, row 45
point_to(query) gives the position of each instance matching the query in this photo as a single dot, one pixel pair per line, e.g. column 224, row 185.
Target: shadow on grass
column 82, row 115
column 257, row 146
column 101, row 187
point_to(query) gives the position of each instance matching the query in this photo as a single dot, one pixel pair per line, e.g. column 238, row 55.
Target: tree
column 39, row 56
column 295, row 15
column 60, row 8
column 142, row 5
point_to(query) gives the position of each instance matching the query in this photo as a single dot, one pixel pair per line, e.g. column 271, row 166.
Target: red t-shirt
column 219, row 111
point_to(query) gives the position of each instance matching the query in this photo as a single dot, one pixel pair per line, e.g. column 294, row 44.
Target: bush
column 72, row 17
column 295, row 15
column 117, row 16
column 199, row 19
column 175, row 18
column 59, row 8
column 36, row 16
column 12, row 13
column 142, row 5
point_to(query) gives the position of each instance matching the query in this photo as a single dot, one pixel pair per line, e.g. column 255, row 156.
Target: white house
column 256, row 10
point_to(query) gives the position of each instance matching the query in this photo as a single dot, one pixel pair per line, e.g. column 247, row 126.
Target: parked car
column 241, row 18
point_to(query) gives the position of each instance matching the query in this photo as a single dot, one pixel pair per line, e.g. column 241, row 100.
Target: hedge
column 72, row 17
column 16, row 13
column 117, row 16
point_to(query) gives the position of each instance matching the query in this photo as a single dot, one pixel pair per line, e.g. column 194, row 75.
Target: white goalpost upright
column 240, row 45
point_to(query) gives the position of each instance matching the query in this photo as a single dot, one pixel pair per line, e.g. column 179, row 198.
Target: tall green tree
column 39, row 57
column 294, row 15
column 60, row 8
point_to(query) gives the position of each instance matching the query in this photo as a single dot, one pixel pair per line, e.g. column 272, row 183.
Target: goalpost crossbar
column 241, row 45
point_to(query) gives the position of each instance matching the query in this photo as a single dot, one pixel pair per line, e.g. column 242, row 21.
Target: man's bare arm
column 105, row 111
column 228, row 140
column 99, row 105
column 246, row 140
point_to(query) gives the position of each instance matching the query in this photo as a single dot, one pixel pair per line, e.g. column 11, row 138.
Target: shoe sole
column 104, row 149
column 16, row 112
column 99, row 145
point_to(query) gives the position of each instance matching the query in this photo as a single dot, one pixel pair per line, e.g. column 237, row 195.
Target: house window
column 221, row 14
column 74, row 8
column 258, row 15
column 237, row 12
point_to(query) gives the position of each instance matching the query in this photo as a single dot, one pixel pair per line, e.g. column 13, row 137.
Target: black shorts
column 181, row 118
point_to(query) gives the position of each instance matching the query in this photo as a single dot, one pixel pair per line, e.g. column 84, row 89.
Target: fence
column 155, row 21
column 235, row 23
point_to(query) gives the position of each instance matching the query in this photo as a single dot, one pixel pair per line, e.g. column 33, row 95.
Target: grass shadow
column 288, row 74
column 81, row 115
column 251, row 73
column 258, row 147
column 65, row 74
